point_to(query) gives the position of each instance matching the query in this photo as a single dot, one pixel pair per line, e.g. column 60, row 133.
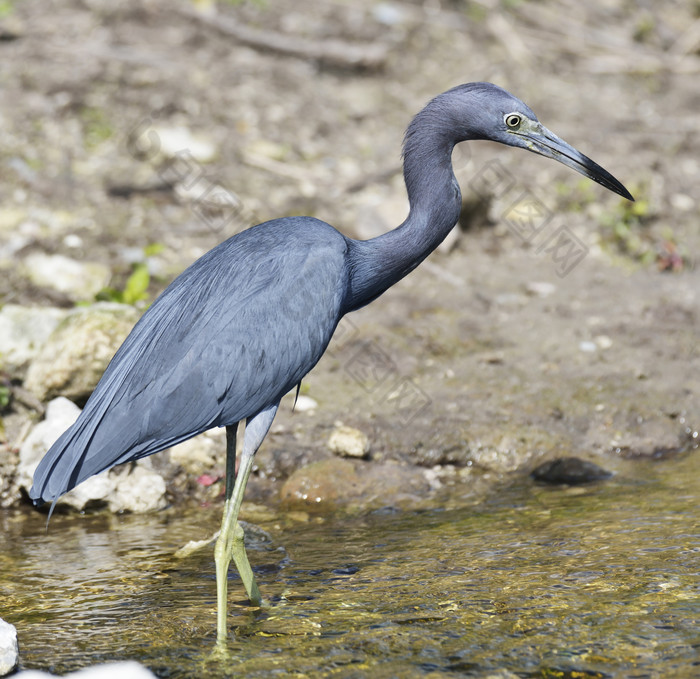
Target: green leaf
column 107, row 295
column 136, row 285
column 153, row 249
column 5, row 395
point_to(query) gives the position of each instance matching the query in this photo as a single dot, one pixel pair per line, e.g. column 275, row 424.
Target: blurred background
column 300, row 107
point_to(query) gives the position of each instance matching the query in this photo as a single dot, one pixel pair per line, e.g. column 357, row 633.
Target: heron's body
column 243, row 325
column 160, row 388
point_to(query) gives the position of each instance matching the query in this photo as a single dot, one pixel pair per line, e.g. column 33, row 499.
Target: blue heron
column 244, row 324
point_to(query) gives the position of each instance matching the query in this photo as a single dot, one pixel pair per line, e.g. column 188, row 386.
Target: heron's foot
column 231, row 545
column 194, row 546
column 221, row 652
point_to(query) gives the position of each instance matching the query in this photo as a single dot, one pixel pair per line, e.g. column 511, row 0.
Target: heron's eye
column 513, row 120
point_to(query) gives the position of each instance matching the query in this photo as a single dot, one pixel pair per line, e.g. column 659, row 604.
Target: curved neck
column 435, row 202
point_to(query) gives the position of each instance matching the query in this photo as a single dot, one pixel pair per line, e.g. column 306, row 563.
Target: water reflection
column 602, row 581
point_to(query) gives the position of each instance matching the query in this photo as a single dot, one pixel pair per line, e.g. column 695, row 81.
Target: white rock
column 305, row 404
column 118, row 670
column 588, row 347
column 201, row 453
column 178, row 140
column 603, row 341
column 72, row 240
column 388, row 14
column 78, row 280
column 540, row 288
column 140, row 490
column 23, row 331
column 682, row 202
column 60, row 414
column 9, row 650
column 348, row 442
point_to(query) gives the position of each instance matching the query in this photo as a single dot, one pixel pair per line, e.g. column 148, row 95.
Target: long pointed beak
column 547, row 144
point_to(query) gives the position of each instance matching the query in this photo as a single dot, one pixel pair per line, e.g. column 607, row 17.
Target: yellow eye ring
column 513, row 120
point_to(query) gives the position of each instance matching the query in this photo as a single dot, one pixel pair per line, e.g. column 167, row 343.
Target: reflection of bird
column 242, row 326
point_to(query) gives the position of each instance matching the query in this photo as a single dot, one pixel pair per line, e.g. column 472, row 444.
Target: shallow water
column 589, row 582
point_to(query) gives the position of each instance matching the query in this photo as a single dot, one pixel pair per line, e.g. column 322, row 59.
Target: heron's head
column 489, row 112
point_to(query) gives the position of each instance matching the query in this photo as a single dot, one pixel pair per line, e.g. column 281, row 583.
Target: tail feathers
column 91, row 445
column 66, row 463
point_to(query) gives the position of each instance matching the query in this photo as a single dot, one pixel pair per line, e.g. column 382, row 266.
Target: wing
column 230, row 336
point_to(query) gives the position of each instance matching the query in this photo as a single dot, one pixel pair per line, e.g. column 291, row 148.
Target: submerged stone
column 569, row 470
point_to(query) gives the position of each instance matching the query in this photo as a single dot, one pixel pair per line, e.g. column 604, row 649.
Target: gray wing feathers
column 228, row 337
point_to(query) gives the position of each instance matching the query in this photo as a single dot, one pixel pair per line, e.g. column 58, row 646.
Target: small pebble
column 305, row 404
column 682, row 202
column 388, row 14
column 603, row 342
column 540, row 288
column 348, row 442
column 178, row 141
column 72, row 240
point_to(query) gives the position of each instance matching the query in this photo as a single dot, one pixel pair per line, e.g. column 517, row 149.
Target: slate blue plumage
column 243, row 325
column 191, row 363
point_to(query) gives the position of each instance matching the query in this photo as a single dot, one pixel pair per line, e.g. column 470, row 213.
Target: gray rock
column 78, row 280
column 118, row 670
column 9, row 650
column 131, row 488
column 72, row 360
column 23, row 332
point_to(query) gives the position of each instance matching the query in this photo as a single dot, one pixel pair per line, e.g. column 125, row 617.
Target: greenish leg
column 231, row 543
column 240, row 558
column 222, row 549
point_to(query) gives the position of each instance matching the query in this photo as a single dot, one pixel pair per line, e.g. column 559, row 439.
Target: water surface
column 588, row 582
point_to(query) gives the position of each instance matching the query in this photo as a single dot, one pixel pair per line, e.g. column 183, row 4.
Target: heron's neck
column 435, row 200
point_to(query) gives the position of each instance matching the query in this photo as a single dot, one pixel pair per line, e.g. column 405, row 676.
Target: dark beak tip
column 609, row 182
column 626, row 194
